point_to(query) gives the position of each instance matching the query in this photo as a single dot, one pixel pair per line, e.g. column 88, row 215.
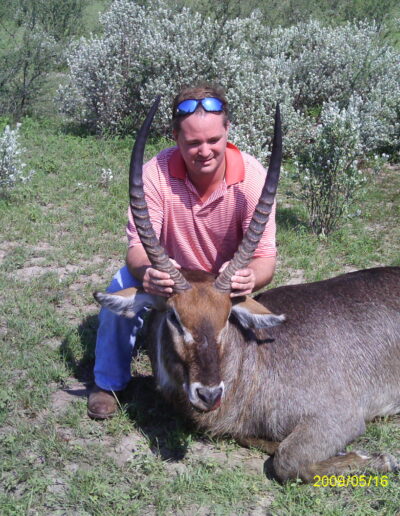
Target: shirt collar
column 234, row 172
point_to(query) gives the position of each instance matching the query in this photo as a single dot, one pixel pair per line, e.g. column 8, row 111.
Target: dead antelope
column 301, row 390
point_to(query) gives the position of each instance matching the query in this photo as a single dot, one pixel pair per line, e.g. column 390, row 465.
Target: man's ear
column 175, row 134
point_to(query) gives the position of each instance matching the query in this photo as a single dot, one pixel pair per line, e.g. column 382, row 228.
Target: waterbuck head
column 191, row 329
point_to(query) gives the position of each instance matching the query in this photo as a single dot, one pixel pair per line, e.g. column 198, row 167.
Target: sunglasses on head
column 190, row 105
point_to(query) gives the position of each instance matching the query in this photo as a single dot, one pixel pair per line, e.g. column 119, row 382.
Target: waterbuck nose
column 210, row 396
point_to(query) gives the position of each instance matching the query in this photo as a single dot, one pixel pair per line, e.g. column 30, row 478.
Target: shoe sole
column 95, row 415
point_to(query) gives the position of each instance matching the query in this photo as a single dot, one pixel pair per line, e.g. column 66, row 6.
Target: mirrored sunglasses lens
column 212, row 104
column 187, row 106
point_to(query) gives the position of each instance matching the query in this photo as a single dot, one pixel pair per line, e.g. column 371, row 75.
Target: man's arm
column 257, row 275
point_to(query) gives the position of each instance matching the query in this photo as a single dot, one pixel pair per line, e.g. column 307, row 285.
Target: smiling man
column 201, row 196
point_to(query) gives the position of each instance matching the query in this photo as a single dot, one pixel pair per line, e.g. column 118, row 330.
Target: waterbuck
column 301, row 385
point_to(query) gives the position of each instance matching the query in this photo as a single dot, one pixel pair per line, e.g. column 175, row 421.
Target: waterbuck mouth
column 203, row 398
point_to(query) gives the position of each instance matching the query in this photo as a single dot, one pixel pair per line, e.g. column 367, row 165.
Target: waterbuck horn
column 261, row 214
column 155, row 252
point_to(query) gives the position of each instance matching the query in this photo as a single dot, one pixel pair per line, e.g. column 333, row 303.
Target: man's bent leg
column 115, row 342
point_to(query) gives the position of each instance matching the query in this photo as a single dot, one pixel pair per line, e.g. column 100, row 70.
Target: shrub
column 339, row 87
column 11, row 166
column 328, row 170
column 143, row 52
column 24, row 69
column 60, row 20
column 155, row 49
column 34, row 33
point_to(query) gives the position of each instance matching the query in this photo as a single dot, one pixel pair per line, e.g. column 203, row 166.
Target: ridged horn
column 140, row 213
column 261, row 214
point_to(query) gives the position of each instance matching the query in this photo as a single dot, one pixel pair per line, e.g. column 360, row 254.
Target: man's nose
column 203, row 150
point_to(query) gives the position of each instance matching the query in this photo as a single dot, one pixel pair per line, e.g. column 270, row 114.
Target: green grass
column 62, row 237
column 91, row 14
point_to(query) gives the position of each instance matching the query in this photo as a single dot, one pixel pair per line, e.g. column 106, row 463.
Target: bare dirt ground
column 147, row 439
column 152, row 440
column 122, row 449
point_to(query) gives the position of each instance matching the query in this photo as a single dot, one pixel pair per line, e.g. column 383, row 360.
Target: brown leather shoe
column 101, row 404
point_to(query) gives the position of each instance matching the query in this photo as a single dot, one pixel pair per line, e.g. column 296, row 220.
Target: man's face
column 202, row 140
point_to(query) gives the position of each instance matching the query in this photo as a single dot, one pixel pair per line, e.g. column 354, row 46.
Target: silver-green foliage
column 328, row 170
column 11, row 165
column 154, row 49
column 313, row 70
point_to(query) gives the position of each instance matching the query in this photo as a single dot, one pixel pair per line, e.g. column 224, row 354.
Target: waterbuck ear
column 129, row 301
column 251, row 314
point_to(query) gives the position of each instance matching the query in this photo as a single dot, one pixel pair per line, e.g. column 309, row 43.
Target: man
column 201, row 197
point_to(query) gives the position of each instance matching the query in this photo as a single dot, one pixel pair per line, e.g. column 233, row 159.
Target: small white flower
column 106, row 177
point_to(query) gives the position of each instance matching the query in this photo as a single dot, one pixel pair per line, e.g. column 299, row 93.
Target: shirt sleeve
column 254, row 182
column 152, row 190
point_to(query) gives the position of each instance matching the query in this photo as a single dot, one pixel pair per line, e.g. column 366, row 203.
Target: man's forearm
column 153, row 281
column 264, row 269
column 137, row 261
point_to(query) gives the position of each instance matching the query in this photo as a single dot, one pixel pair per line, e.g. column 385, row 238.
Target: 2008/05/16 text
column 350, row 480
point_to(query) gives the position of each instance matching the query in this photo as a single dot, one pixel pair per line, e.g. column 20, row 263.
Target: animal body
column 301, row 390
column 297, row 371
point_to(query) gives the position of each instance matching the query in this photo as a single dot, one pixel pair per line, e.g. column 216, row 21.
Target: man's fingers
column 242, row 282
column 243, row 273
column 243, row 277
column 223, row 266
column 163, row 282
column 176, row 263
column 155, row 274
column 157, row 282
column 165, row 292
column 160, row 279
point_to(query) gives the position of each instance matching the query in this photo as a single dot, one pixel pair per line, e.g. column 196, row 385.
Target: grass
column 62, row 237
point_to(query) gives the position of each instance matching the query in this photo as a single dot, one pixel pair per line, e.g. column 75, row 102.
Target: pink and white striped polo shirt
column 203, row 235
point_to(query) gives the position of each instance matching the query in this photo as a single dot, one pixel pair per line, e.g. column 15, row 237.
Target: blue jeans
column 116, row 339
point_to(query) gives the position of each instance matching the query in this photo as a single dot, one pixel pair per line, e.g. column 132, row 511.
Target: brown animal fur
column 312, row 382
column 309, row 384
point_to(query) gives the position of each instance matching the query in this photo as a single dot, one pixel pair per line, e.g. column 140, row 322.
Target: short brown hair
column 197, row 92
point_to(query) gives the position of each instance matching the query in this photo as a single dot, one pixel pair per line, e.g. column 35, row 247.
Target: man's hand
column 153, row 281
column 257, row 275
column 242, row 282
column 157, row 282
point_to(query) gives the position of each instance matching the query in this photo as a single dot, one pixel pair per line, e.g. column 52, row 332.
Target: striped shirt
column 203, row 235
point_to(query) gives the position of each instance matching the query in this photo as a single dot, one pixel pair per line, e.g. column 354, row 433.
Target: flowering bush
column 11, row 166
column 155, row 49
column 328, row 169
column 339, row 88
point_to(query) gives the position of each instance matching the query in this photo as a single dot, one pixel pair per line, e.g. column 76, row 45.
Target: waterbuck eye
column 172, row 317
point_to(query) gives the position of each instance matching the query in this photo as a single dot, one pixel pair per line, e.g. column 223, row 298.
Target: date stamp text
column 350, row 480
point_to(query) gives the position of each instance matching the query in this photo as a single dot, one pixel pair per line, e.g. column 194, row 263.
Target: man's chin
column 207, row 167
